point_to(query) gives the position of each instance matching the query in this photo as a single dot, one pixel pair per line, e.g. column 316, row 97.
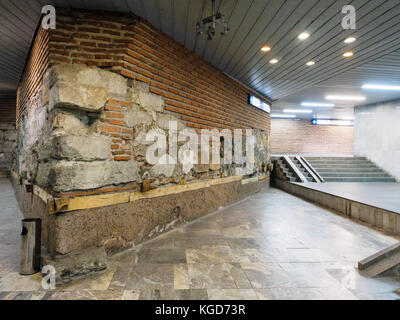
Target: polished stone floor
column 270, row 246
column 385, row 195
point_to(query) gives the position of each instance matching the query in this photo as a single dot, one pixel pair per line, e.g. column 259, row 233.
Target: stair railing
column 309, row 168
column 293, row 168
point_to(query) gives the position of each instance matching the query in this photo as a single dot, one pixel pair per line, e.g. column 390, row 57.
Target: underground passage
column 199, row 150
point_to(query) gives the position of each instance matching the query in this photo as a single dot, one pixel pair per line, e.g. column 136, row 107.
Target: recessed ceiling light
column 317, row 104
column 345, row 98
column 310, row 63
column 265, row 49
column 304, row 36
column 348, row 54
column 273, row 61
column 349, row 40
column 297, row 111
column 288, row 116
column 380, row 87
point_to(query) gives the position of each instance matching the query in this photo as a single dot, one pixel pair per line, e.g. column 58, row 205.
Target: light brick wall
column 290, row 136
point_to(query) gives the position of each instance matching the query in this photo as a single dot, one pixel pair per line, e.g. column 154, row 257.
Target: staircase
column 283, row 170
column 305, row 173
column 349, row 169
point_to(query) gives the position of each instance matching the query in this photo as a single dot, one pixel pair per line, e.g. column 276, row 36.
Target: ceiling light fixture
column 304, row 36
column 297, row 111
column 273, row 61
column 284, row 116
column 381, row 87
column 310, row 63
column 317, row 104
column 345, row 98
column 350, row 40
column 265, row 49
column 209, row 25
column 348, row 54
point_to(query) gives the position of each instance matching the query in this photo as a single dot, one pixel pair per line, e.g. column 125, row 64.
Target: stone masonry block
column 74, row 175
column 135, row 117
column 148, row 101
column 71, row 124
column 72, row 95
column 84, row 148
column 10, row 135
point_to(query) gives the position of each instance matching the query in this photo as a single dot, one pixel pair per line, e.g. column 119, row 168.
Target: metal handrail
column 314, row 173
column 294, row 169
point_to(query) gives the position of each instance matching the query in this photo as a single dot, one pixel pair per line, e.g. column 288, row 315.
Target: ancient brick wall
column 32, row 77
column 290, row 136
column 92, row 91
column 95, row 86
column 201, row 95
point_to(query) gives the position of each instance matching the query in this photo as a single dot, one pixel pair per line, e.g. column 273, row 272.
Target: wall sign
column 255, row 102
column 324, row 122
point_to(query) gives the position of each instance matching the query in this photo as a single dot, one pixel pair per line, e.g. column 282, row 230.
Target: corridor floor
column 270, row 246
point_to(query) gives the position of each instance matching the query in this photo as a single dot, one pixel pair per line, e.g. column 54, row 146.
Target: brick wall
column 201, row 95
column 290, row 136
column 32, row 77
column 7, row 108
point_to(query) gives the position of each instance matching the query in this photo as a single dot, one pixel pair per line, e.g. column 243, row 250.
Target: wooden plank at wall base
column 96, row 201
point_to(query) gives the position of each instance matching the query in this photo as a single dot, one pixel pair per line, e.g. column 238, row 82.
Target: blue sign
column 255, row 102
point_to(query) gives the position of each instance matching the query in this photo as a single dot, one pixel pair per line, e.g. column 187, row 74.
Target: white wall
column 377, row 135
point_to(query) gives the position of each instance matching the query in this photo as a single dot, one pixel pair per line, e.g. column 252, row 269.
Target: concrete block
column 355, row 210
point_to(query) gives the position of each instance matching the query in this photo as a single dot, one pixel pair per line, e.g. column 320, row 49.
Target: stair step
column 344, row 165
column 364, row 170
column 356, row 174
column 359, row 179
column 335, row 158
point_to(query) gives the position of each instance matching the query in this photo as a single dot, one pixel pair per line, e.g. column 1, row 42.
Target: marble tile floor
column 270, row 246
